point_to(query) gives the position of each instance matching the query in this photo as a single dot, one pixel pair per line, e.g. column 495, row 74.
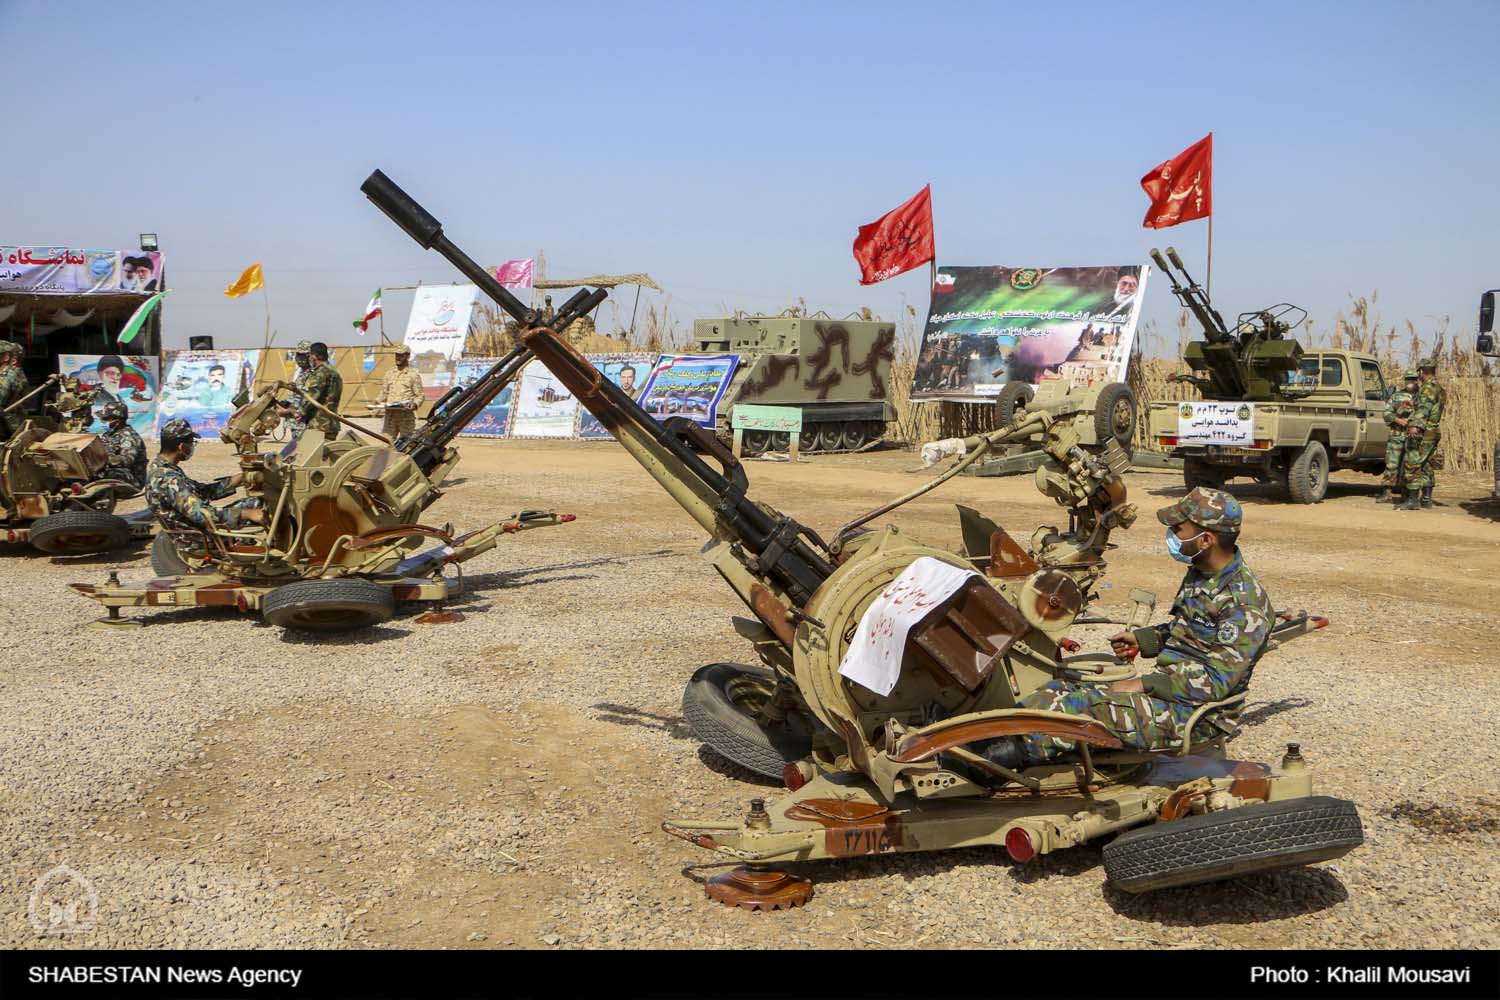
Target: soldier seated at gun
column 181, row 501
column 127, row 452
column 1220, row 625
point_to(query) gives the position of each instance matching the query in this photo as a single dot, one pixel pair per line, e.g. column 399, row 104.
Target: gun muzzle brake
column 402, row 209
column 1172, row 256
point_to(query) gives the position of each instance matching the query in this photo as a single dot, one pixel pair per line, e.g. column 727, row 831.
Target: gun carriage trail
column 500, row 782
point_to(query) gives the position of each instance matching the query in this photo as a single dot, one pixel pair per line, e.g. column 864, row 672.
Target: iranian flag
column 371, row 311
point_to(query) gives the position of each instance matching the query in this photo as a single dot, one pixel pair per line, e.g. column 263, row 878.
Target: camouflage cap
column 403, row 349
column 115, row 410
column 1411, row 373
column 177, row 429
column 7, row 347
column 303, row 346
column 1212, row 509
column 1429, row 363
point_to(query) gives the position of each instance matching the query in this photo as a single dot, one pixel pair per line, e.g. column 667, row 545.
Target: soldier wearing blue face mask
column 1220, row 622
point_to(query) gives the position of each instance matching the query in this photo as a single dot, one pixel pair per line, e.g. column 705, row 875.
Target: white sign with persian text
column 873, row 659
column 1216, row 423
column 440, row 320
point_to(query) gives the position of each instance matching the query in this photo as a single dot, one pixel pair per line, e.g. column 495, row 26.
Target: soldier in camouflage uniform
column 1220, row 623
column 13, row 386
column 175, row 497
column 1423, row 434
column 323, row 385
column 1397, row 416
column 127, row 452
column 291, row 411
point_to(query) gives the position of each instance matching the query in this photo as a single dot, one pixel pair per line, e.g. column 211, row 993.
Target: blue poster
column 629, row 372
column 688, row 385
column 200, row 386
column 494, row 420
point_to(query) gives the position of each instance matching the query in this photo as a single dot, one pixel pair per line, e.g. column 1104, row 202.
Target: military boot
column 1391, row 495
column 1006, row 751
column 1426, row 497
column 1413, row 500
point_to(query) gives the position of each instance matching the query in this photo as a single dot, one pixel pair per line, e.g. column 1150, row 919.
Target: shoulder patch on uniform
column 1228, row 632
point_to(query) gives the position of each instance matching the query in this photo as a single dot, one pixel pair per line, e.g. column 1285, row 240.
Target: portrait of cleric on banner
column 991, row 325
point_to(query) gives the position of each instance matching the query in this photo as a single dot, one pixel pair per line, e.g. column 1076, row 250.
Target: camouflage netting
column 600, row 281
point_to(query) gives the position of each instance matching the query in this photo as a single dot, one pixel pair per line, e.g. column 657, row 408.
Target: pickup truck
column 1335, row 421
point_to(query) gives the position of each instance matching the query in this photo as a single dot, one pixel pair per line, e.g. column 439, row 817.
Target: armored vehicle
column 870, row 773
column 1296, row 415
column 52, row 494
column 339, row 547
column 836, row 371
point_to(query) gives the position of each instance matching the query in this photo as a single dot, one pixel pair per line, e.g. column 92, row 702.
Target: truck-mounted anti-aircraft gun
column 339, row 545
column 52, row 491
column 1289, row 416
column 872, row 773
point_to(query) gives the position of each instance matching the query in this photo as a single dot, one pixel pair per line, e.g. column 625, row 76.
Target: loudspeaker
column 200, row 343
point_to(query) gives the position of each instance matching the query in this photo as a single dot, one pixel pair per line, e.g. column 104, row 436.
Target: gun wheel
column 759, row 889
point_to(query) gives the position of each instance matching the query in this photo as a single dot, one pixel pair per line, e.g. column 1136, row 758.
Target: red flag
column 1182, row 188
column 897, row 241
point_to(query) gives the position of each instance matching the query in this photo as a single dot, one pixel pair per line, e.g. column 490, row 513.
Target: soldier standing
column 1220, row 623
column 401, row 392
column 323, row 385
column 1397, row 417
column 127, row 452
column 1423, row 434
column 290, row 411
column 11, row 389
column 175, row 497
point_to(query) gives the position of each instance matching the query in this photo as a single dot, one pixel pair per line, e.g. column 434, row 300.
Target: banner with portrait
column 991, row 325
column 69, row 271
column 131, row 379
column 688, row 385
column 200, row 386
column 494, row 420
column 629, row 372
column 544, row 407
column 439, row 321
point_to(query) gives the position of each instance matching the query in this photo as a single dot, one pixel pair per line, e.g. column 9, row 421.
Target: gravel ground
column 500, row 782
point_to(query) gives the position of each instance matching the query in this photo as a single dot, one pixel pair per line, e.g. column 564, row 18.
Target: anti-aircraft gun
column 338, row 548
column 1269, row 409
column 900, row 769
column 53, row 491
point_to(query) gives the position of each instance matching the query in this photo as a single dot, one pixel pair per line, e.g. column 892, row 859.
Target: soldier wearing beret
column 176, row 498
column 1423, row 435
column 1221, row 621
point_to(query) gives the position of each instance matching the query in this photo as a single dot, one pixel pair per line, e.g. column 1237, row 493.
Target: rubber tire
column 347, row 605
column 1110, row 398
column 735, row 736
column 1196, row 472
column 1299, row 487
column 828, row 436
column 1012, row 399
column 754, row 442
column 1233, row 842
column 166, row 560
column 50, row 534
column 807, row 438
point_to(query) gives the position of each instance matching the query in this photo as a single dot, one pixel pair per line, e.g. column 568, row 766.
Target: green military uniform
column 1219, row 627
column 1398, row 407
column 324, row 385
column 1424, row 434
column 13, row 386
column 172, row 495
column 127, row 452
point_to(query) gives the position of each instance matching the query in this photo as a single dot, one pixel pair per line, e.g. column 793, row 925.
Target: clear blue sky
column 732, row 150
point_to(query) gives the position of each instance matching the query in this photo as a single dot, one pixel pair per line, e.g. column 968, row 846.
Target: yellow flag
column 247, row 282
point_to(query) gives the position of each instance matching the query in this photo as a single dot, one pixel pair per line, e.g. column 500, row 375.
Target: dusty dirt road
column 500, row 782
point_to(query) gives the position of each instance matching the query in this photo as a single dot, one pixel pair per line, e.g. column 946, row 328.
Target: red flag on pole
column 897, row 241
column 1181, row 189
